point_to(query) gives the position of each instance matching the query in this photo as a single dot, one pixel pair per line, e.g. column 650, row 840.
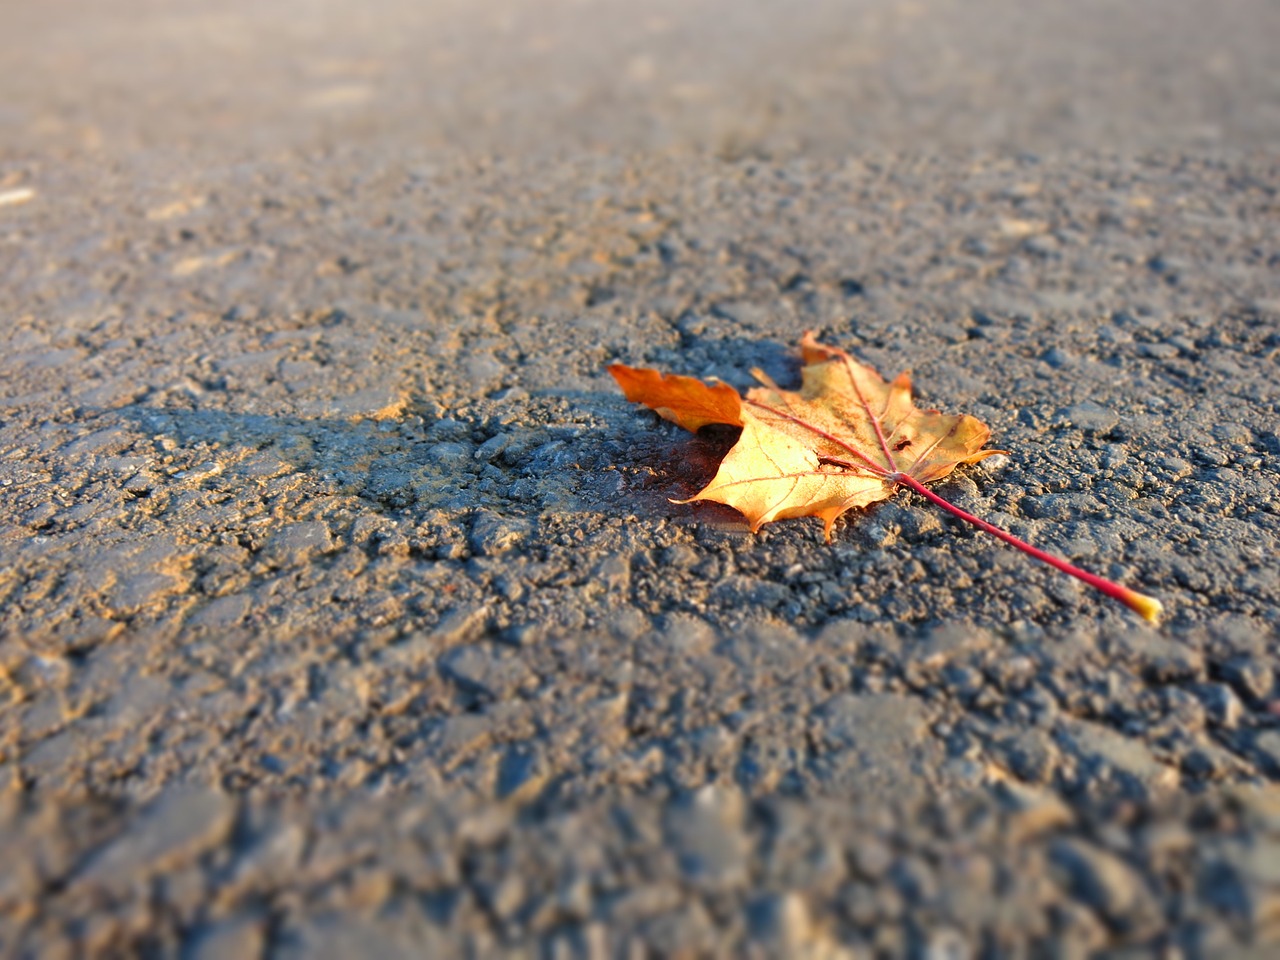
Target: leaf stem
column 1148, row 608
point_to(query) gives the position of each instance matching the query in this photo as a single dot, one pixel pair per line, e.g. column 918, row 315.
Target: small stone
column 180, row 825
column 948, row 642
column 1110, row 751
column 138, row 700
column 1029, row 754
column 1078, row 930
column 644, row 900
column 508, row 447
column 1043, row 245
column 506, row 896
column 16, row 196
column 297, row 543
column 256, row 364
column 781, row 923
column 1107, row 884
column 463, row 734
column 1162, row 660
column 449, row 453
column 521, row 773
column 613, row 573
column 486, row 670
column 1159, row 351
column 448, row 429
column 1222, row 885
column 492, row 535
column 1260, row 860
column 878, row 740
column 678, row 556
column 227, row 940
column 871, row 858
column 948, row 943
column 1243, row 881
column 706, row 833
column 339, row 936
column 1221, row 704
column 486, row 826
column 574, row 897
column 1267, row 746
column 1261, row 803
column 1208, row 761
column 1056, row 506
column 220, row 614
column 371, row 403
column 962, row 681
column 20, row 881
column 685, row 931
column 1163, row 839
column 1058, row 358
column 1034, row 812
column 1089, row 417
column 1252, row 677
column 1184, row 709
column 459, row 625
column 914, row 879
column 203, row 472
column 272, row 858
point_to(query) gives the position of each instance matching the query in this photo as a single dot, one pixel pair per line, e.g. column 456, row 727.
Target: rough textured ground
column 343, row 609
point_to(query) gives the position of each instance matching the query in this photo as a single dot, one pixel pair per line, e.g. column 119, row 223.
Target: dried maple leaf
column 847, row 439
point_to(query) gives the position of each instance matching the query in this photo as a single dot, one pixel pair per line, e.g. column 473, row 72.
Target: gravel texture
column 344, row 610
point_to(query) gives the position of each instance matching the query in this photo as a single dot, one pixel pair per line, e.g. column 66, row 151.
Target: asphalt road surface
column 344, row 607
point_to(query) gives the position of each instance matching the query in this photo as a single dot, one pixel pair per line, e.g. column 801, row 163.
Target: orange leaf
column 846, row 439
column 684, row 401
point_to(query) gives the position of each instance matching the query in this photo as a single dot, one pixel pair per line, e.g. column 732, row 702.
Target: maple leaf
column 847, row 439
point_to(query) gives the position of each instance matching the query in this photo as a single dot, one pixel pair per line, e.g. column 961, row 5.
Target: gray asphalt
column 344, row 607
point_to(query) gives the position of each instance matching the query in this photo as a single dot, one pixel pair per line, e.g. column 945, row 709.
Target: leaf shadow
column 665, row 463
column 366, row 458
column 410, row 466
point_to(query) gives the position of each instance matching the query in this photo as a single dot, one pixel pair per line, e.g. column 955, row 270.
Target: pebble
column 1141, row 773
column 781, row 923
column 1058, row 358
column 226, row 940
column 1029, row 754
column 485, row 669
column 15, row 196
column 522, row 772
column 172, row 831
column 271, row 858
column 705, row 831
column 493, row 535
column 370, row 403
column 1252, row 677
column 1033, row 812
column 1267, row 747
column 871, row 858
column 1221, row 704
column 297, row 543
column 459, row 625
column 1058, row 506
column 1089, row 417
column 1106, row 884
column 334, row 935
column 1261, row 805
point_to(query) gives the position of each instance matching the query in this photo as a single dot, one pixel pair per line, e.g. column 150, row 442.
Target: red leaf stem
column 1148, row 608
